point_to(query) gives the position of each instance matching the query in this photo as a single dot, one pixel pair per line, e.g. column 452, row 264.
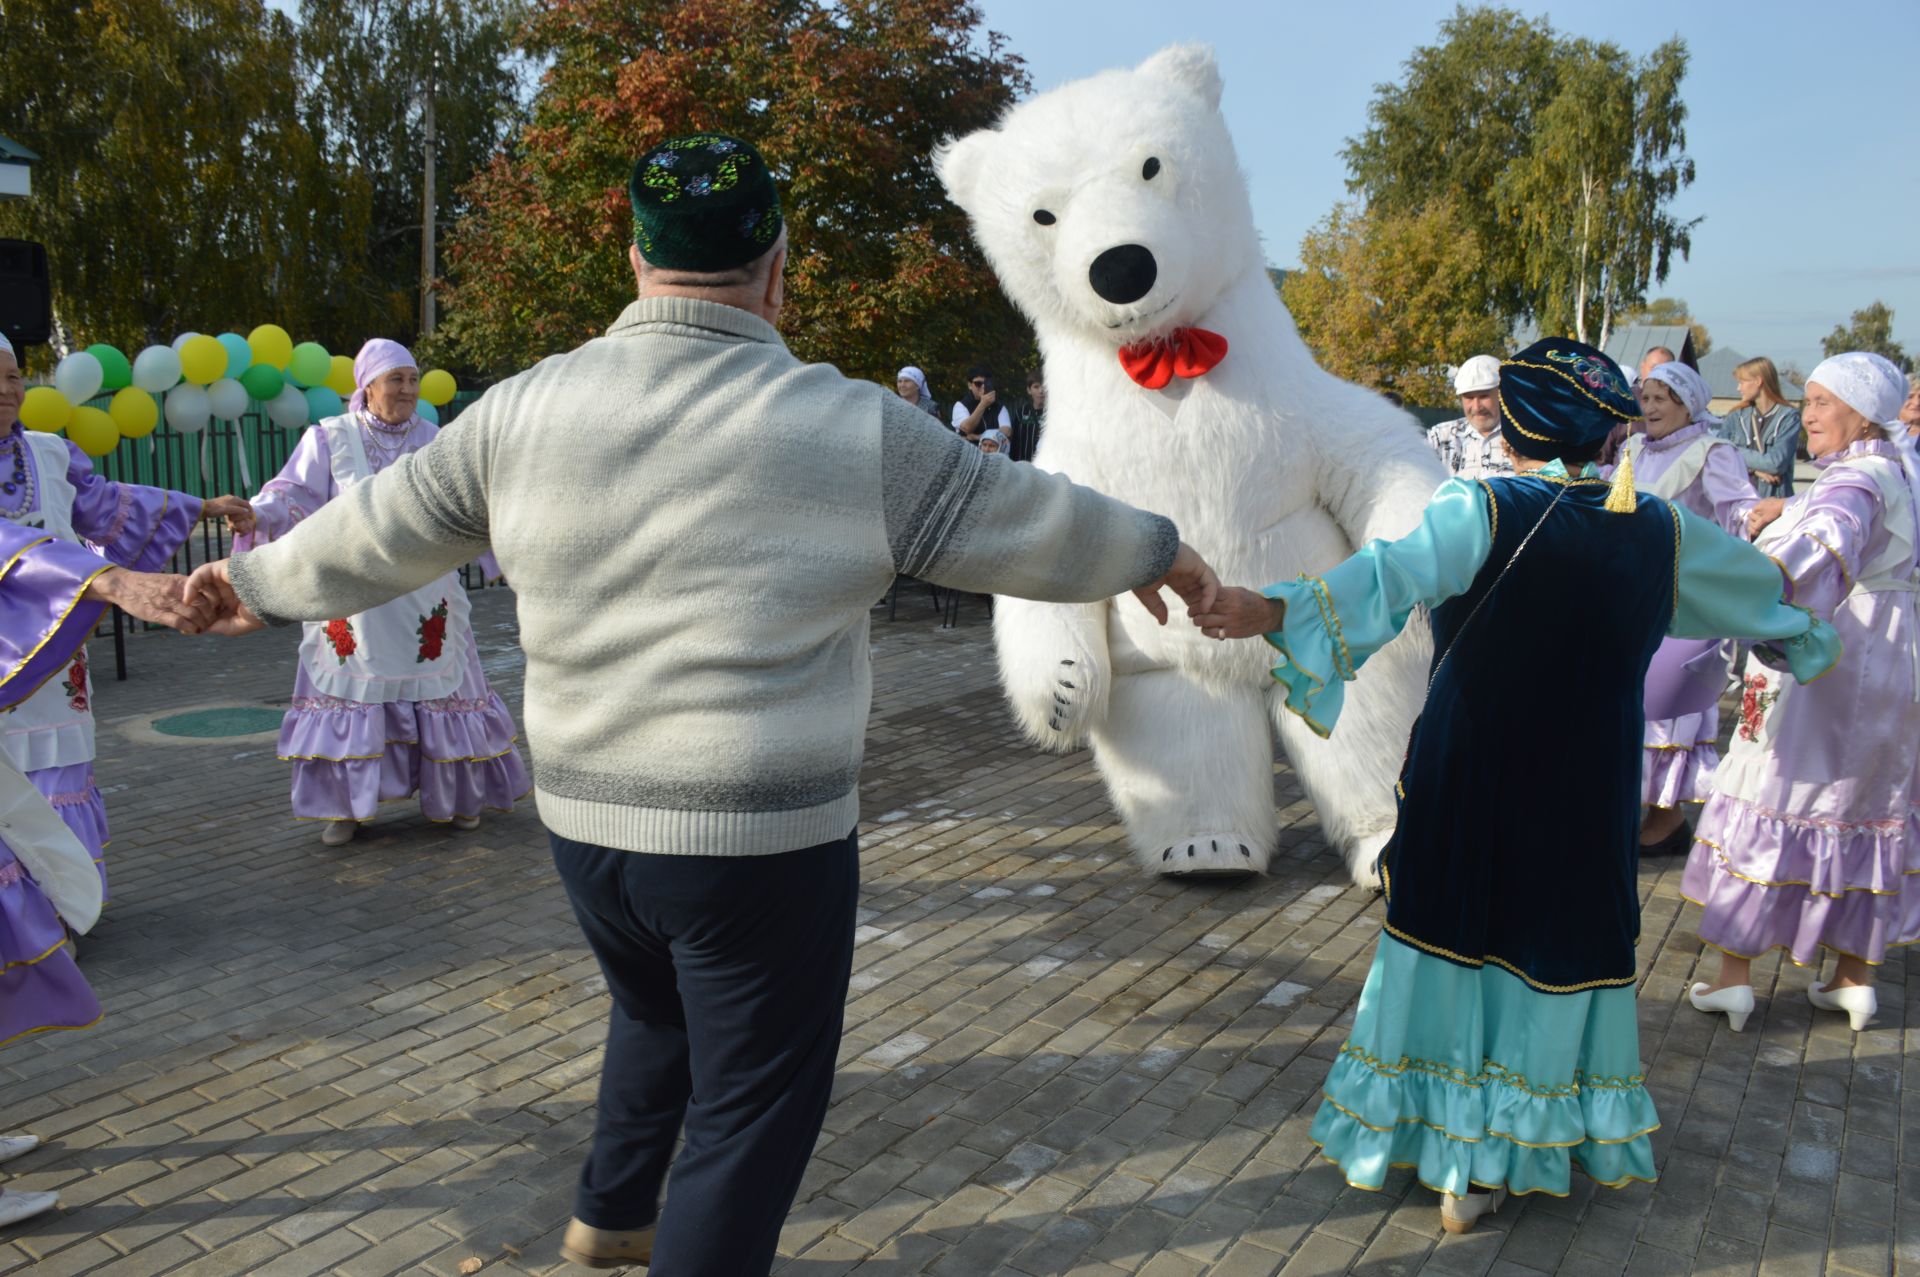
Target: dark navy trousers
column 729, row 983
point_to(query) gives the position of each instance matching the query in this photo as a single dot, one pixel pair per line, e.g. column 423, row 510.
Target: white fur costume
column 1270, row 466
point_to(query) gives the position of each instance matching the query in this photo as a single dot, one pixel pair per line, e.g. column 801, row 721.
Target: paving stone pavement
column 381, row 1059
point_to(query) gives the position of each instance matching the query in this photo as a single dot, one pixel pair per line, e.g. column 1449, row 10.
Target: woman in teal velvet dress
column 1495, row 1046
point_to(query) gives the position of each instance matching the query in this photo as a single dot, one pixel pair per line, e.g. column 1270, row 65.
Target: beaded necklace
column 383, row 453
column 16, row 489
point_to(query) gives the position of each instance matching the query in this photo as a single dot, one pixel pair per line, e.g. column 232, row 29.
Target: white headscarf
column 8, row 347
column 1689, row 387
column 999, row 436
column 918, row 378
column 1873, row 387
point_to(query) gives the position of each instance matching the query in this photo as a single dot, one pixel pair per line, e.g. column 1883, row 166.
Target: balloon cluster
column 199, row 377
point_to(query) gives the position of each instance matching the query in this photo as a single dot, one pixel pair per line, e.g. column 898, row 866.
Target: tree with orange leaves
column 846, row 100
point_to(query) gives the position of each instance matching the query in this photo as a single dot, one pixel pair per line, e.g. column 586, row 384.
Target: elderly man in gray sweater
column 693, row 575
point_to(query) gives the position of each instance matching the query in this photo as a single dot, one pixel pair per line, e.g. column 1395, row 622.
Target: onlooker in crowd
column 996, row 443
column 697, row 673
column 1764, row 428
column 1653, row 359
column 1469, row 445
column 1027, row 430
column 980, row 409
column 1910, row 410
column 911, row 384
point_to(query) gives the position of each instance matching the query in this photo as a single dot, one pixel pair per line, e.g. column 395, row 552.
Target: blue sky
column 1803, row 124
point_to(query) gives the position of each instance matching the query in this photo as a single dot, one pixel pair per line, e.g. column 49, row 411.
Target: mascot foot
column 1216, row 856
column 1362, row 853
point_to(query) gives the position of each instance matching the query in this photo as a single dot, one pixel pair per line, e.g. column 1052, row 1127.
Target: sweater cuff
column 246, row 584
column 1162, row 548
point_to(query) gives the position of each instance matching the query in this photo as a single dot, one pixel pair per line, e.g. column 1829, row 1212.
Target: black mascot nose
column 1123, row 274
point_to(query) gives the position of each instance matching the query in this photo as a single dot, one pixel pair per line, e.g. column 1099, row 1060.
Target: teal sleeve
column 1727, row 589
column 1335, row 622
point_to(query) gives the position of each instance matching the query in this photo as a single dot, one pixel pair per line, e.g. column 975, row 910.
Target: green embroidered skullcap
column 704, row 202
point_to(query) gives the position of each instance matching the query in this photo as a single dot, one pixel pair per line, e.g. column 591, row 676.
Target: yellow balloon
column 437, row 387
column 134, row 411
column 340, row 380
column 203, row 360
column 271, row 346
column 45, row 408
column 94, row 432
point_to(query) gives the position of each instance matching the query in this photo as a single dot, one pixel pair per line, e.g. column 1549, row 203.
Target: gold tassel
column 1621, row 498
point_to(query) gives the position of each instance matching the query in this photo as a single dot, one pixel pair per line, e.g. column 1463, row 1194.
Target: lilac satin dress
column 1681, row 752
column 49, row 735
column 1810, row 839
column 44, row 624
column 350, row 753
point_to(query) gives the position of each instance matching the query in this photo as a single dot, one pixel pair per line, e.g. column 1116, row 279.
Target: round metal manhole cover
column 227, row 721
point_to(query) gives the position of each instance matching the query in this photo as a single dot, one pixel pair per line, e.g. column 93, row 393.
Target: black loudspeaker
column 26, row 293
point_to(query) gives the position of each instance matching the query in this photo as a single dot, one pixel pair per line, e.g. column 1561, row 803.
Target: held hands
column 160, row 597
column 1189, row 577
column 235, row 510
column 1764, row 511
column 211, row 587
column 1240, row 613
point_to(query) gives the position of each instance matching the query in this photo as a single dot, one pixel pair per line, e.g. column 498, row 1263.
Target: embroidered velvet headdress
column 704, row 202
column 1561, row 398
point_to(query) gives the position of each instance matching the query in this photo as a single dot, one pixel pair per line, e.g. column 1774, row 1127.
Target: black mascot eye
column 1043, row 217
column 1151, row 168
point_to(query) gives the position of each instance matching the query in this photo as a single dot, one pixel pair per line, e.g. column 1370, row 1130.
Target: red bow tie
column 1184, row 352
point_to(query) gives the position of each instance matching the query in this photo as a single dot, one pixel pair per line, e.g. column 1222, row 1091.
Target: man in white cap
column 1469, row 445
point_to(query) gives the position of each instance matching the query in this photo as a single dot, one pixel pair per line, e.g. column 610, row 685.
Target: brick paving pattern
column 381, row 1059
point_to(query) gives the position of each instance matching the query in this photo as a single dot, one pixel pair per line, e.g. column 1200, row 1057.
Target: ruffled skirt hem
column 41, row 987
column 1471, row 1077
column 1679, row 760
column 1766, row 881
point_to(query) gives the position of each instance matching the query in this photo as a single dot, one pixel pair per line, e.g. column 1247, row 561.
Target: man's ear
column 639, row 263
column 776, row 294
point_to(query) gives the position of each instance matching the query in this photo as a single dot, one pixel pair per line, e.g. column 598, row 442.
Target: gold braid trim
column 1493, row 511
column 1503, row 964
column 1573, row 381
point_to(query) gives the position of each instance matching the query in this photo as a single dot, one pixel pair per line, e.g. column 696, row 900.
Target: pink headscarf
column 376, row 357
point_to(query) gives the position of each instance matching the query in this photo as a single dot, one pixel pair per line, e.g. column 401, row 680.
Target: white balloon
column 188, row 409
column 78, row 377
column 288, row 409
column 228, row 399
column 182, row 340
column 156, row 369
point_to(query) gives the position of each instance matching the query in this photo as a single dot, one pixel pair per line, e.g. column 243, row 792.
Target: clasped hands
column 1221, row 612
column 204, row 603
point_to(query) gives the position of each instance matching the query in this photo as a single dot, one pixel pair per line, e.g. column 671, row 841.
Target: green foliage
column 207, row 164
column 1563, row 154
column 1871, row 330
column 1389, row 300
column 845, row 99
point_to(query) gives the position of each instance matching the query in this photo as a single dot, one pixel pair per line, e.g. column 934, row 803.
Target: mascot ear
column 961, row 163
column 1192, row 67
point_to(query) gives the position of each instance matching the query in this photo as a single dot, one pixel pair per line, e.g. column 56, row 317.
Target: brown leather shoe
column 604, row 1248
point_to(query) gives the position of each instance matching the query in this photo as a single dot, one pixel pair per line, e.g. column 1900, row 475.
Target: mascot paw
column 1363, row 853
column 1067, row 711
column 1217, row 856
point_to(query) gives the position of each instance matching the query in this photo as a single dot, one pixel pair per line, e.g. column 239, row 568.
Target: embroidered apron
column 413, row 648
column 54, row 726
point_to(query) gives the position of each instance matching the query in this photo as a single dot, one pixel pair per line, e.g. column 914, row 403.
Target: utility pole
column 427, row 203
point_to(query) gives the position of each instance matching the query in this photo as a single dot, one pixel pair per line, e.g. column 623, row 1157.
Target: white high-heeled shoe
column 1736, row 1000
column 1857, row 1000
column 339, row 833
column 1460, row 1214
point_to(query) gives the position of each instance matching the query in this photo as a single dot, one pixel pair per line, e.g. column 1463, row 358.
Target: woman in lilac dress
column 1809, row 841
column 392, row 702
column 48, row 485
column 53, row 591
column 1682, row 460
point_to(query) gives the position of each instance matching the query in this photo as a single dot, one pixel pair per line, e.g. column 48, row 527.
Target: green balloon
column 263, row 382
column 310, row 364
column 117, row 372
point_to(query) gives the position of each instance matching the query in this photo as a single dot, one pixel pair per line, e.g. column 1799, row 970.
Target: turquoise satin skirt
column 1472, row 1076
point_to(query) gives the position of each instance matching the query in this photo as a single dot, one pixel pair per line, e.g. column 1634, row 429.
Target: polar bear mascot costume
column 1114, row 212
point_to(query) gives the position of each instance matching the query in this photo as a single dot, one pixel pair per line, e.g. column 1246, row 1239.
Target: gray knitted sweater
column 695, row 525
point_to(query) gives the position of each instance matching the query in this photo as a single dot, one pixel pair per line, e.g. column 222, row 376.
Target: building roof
column 11, row 152
column 1717, row 367
column 1628, row 346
